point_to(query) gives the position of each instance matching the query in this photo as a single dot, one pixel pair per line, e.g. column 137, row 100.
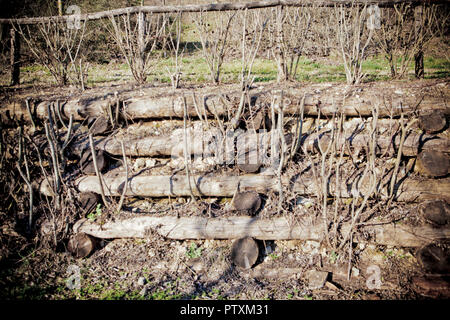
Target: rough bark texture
column 214, row 7
column 264, row 229
column 391, row 98
column 409, row 190
column 198, row 144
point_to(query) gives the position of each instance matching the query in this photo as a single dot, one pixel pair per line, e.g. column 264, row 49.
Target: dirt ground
column 35, row 264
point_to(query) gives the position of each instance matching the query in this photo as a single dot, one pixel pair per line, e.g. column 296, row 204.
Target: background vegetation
column 305, row 39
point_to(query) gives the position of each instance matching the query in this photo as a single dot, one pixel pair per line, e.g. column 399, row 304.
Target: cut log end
column 98, row 126
column 433, row 163
column 81, row 245
column 86, row 163
column 433, row 286
column 432, row 122
column 88, row 201
column 434, row 258
column 436, row 212
column 249, row 168
column 46, row 188
column 244, row 252
column 249, row 202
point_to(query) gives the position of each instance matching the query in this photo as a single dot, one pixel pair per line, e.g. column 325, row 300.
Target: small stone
column 140, row 163
column 316, row 279
column 355, row 271
column 150, row 163
column 143, row 292
column 141, row 281
column 197, row 265
column 311, row 247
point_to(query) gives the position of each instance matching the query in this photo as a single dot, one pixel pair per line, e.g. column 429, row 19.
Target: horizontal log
column 328, row 100
column 213, row 7
column 409, row 190
column 199, row 143
column 392, row 99
column 243, row 226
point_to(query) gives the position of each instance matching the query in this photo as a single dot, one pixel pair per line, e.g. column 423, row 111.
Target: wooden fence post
column 15, row 57
column 418, row 55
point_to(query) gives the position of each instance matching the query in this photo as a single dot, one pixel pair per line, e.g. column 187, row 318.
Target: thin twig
column 30, row 188
column 27, row 102
column 69, row 132
column 122, row 197
column 97, row 172
column 186, row 160
column 54, row 158
column 58, row 112
column 399, row 157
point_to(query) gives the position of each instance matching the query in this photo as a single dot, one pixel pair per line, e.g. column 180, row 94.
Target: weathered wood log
column 409, row 190
column 87, row 163
column 248, row 202
column 264, row 229
column 210, row 8
column 88, row 201
column 99, row 126
column 327, row 101
column 81, row 245
column 412, row 145
column 436, row 212
column 432, row 122
column 432, row 163
column 200, row 142
column 434, row 258
column 392, row 99
column 433, row 286
column 244, row 252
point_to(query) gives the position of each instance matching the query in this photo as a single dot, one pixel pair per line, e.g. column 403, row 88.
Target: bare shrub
column 400, row 36
column 58, row 48
column 353, row 37
column 173, row 43
column 287, row 37
column 137, row 36
column 214, row 30
column 253, row 26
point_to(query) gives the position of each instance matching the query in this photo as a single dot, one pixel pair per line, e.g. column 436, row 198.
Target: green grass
column 194, row 251
column 195, row 70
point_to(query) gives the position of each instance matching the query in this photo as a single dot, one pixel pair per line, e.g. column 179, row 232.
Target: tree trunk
column 392, row 99
column 170, row 145
column 264, row 229
column 409, row 190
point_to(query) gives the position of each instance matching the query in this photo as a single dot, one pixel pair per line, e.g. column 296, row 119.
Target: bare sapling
column 137, row 37
column 353, row 37
column 287, row 36
column 214, row 32
column 173, row 43
column 399, row 40
column 253, row 26
column 58, row 48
